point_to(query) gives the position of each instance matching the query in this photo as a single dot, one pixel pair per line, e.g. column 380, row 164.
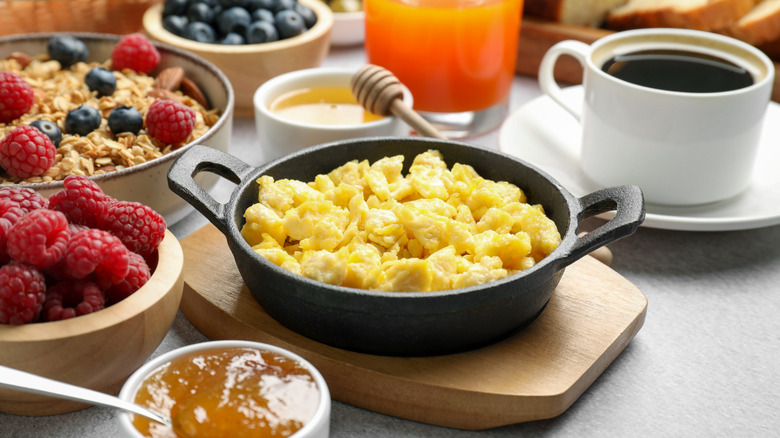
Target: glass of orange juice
column 456, row 56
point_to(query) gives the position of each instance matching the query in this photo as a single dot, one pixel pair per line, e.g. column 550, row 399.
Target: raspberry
column 170, row 122
column 99, row 253
column 10, row 213
column 68, row 299
column 16, row 96
column 139, row 227
column 137, row 275
column 135, row 52
column 82, row 201
column 26, row 152
column 22, row 292
column 39, row 238
column 27, row 199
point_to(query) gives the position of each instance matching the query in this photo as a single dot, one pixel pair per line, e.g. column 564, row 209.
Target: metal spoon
column 23, row 381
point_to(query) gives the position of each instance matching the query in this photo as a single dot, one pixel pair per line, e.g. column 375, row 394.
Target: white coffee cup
column 679, row 147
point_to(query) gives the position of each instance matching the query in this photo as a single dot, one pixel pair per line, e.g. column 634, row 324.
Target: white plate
column 544, row 134
column 348, row 29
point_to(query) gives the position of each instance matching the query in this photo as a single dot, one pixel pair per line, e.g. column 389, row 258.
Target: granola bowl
column 248, row 66
column 126, row 168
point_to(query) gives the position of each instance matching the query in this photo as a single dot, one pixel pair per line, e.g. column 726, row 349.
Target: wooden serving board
column 534, row 374
column 537, row 36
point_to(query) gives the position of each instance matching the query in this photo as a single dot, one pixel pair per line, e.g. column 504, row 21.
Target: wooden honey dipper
column 380, row 92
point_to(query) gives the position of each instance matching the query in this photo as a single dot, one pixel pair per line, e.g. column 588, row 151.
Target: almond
column 159, row 93
column 190, row 89
column 22, row 58
column 170, row 78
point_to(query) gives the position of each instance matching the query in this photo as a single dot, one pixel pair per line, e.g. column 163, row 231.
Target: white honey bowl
column 280, row 136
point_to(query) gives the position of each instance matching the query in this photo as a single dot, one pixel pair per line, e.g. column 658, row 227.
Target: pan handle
column 629, row 206
column 181, row 180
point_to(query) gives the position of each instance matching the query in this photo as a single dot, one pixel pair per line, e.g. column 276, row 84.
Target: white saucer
column 544, row 134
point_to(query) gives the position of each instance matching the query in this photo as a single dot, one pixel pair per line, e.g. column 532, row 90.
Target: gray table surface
column 704, row 364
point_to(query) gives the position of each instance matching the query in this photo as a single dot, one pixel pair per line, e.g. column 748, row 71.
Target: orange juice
column 454, row 55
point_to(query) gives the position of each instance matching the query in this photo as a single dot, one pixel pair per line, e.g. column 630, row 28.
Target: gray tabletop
column 705, row 362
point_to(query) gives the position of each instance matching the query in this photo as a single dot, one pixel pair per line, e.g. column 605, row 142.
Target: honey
column 322, row 106
column 229, row 392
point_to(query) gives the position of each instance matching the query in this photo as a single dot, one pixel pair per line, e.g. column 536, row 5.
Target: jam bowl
column 273, row 391
column 405, row 323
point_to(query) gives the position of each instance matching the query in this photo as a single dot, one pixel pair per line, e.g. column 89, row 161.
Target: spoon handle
column 23, row 381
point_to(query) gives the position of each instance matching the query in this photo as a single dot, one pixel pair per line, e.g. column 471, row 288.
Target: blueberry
column 234, row 19
column 200, row 32
column 263, row 15
column 175, row 7
column 309, row 17
column 232, row 39
column 67, row 50
column 289, row 24
column 264, row 4
column 200, row 12
column 82, row 120
column 227, row 4
column 101, row 80
column 261, row 32
column 283, row 5
column 50, row 129
column 125, row 119
column 252, row 5
column 175, row 24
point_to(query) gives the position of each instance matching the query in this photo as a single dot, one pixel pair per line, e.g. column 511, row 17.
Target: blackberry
column 261, row 32
column 289, row 23
column 82, row 120
column 67, row 50
column 101, row 80
column 50, row 129
column 125, row 119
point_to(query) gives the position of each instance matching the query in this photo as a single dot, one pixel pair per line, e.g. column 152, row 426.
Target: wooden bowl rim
column 161, row 283
column 152, row 22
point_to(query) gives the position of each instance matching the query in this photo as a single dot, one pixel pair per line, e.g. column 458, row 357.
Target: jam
column 229, row 392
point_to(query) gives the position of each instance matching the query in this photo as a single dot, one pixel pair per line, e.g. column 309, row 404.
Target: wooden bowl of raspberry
column 89, row 287
column 250, row 41
column 100, row 106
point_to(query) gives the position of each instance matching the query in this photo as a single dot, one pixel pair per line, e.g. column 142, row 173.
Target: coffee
column 675, row 70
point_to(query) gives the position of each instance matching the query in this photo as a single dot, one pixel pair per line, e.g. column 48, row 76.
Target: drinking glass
column 457, row 57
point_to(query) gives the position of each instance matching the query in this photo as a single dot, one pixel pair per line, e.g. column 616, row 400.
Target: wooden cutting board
column 537, row 36
column 534, row 374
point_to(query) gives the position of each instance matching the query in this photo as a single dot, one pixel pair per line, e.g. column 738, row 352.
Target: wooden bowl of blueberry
column 251, row 41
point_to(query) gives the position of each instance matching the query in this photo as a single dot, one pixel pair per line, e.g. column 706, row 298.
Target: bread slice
column 760, row 25
column 708, row 15
column 589, row 13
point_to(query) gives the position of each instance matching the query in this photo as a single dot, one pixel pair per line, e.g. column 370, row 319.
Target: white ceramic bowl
column 348, row 29
column 317, row 427
column 280, row 136
column 146, row 182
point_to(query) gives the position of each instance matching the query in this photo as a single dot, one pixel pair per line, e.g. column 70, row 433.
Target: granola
column 58, row 91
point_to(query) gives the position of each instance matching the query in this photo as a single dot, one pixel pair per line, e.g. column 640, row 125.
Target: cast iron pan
column 398, row 323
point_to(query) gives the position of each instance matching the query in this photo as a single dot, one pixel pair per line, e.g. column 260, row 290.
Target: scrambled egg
column 368, row 226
